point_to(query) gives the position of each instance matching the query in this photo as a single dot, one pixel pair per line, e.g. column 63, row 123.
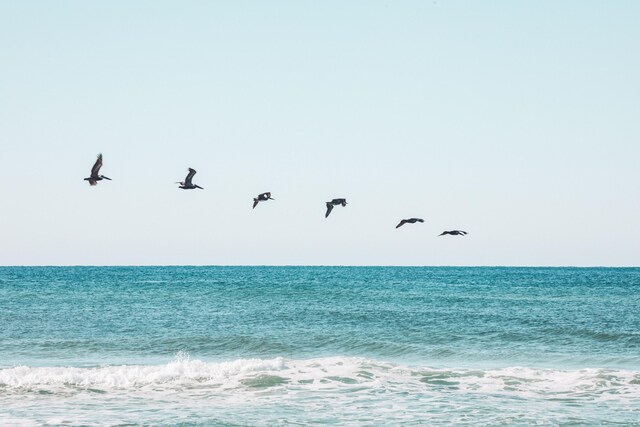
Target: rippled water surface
column 306, row 345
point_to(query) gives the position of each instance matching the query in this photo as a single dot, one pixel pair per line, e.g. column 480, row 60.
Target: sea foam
column 332, row 390
column 179, row 372
column 327, row 373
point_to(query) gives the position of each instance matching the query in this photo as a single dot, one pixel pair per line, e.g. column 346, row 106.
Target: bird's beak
column 106, row 177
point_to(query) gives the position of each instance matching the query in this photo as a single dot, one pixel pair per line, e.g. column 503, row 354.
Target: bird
column 94, row 178
column 333, row 203
column 261, row 198
column 187, row 184
column 410, row 221
column 454, row 233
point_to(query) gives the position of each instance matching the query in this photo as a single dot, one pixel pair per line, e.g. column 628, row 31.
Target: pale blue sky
column 516, row 121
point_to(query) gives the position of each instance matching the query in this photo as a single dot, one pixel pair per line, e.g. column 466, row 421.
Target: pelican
column 333, row 203
column 187, row 184
column 410, row 221
column 94, row 178
column 261, row 198
column 454, row 233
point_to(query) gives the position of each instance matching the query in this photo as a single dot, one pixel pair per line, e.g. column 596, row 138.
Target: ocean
column 263, row 346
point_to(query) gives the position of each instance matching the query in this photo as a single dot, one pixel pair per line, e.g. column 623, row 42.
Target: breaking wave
column 331, row 390
column 325, row 373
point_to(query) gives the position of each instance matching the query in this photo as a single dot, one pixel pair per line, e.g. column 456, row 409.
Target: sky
column 515, row 121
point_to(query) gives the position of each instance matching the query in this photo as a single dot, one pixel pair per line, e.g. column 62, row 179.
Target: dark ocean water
column 306, row 345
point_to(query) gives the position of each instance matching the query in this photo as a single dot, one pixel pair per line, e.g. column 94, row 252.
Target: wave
column 180, row 372
column 323, row 373
column 330, row 390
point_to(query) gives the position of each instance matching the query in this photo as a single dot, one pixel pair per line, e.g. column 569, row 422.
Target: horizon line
column 313, row 265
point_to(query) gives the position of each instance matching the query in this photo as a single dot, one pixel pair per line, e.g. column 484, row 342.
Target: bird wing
column 187, row 180
column 255, row 202
column 403, row 222
column 419, row 219
column 329, row 209
column 96, row 166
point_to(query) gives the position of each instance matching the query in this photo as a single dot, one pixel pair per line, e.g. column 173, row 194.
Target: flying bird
column 94, row 178
column 410, row 221
column 334, row 202
column 454, row 233
column 187, row 184
column 261, row 198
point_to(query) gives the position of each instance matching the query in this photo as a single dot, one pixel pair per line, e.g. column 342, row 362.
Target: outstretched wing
column 187, row 180
column 403, row 222
column 255, row 202
column 418, row 219
column 329, row 209
column 96, row 166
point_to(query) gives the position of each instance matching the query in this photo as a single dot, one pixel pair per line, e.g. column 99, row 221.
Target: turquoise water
column 310, row 345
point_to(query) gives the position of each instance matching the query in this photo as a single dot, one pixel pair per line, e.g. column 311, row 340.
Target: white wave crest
column 179, row 372
column 326, row 374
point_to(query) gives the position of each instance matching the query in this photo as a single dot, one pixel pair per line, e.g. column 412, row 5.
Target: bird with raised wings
column 334, row 202
column 454, row 233
column 187, row 184
column 410, row 221
column 263, row 197
column 95, row 170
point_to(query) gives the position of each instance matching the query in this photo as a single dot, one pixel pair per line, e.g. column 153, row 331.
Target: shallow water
column 331, row 345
